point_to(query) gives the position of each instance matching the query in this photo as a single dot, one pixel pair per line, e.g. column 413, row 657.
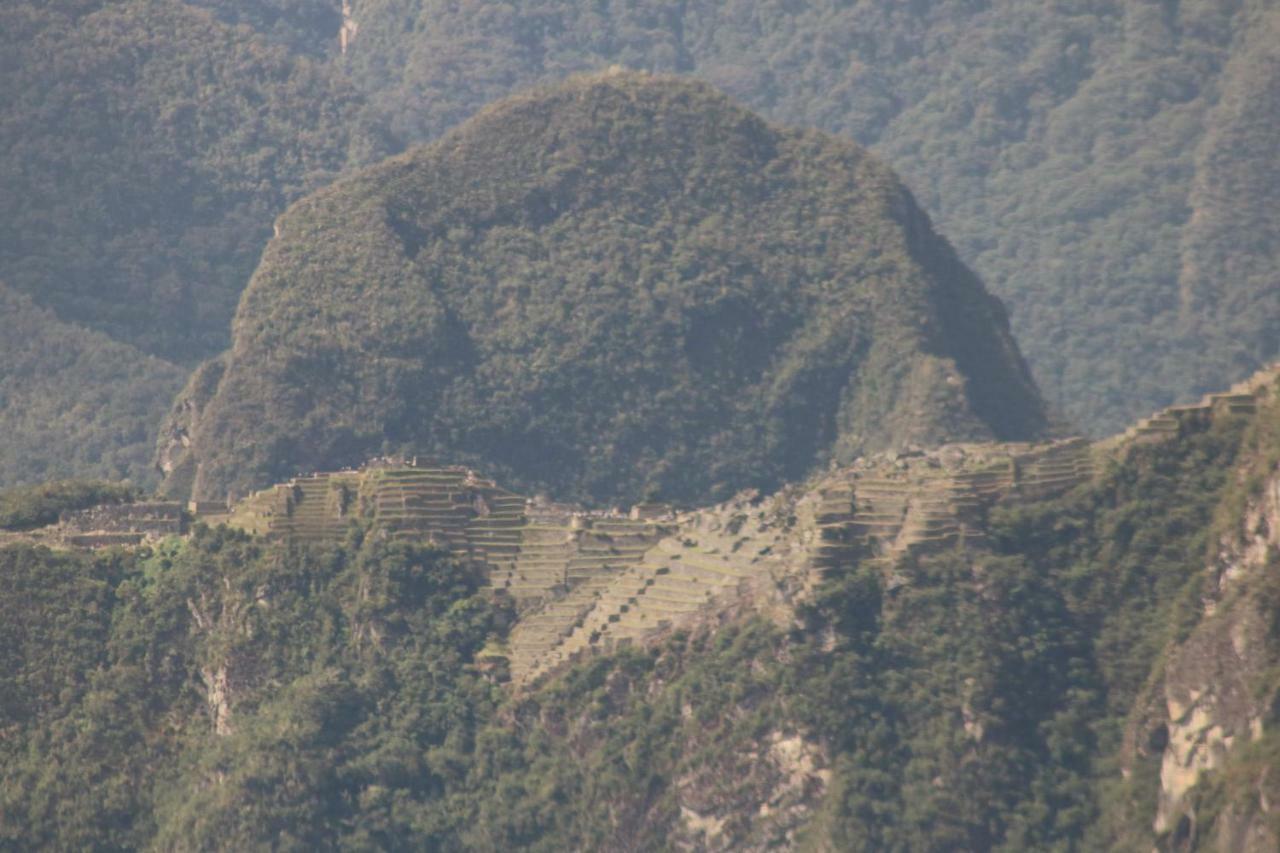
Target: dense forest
column 625, row 286
column 1106, row 169
column 784, row 255
column 74, row 402
column 1103, row 166
column 223, row 692
column 146, row 151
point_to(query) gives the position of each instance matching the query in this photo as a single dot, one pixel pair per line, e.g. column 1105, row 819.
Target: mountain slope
column 1104, row 167
column 74, row 402
column 1057, row 678
column 146, row 149
column 625, row 285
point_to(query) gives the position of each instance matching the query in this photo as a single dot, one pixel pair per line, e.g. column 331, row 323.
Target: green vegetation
column 74, row 403
column 352, row 708
column 144, row 151
column 225, row 691
column 35, row 506
column 305, row 26
column 1107, row 167
column 630, row 287
column 147, row 151
column 622, row 287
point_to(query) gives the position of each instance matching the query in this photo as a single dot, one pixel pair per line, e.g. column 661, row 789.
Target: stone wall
column 122, row 524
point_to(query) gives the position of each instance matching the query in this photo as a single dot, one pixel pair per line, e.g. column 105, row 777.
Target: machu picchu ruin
column 587, row 580
column 1172, row 421
column 122, row 524
column 590, row 580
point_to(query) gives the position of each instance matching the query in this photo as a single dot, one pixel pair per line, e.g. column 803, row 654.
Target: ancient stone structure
column 584, row 581
column 122, row 524
column 1242, row 399
column 937, row 500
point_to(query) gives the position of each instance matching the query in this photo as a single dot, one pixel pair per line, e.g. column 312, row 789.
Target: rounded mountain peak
column 625, row 286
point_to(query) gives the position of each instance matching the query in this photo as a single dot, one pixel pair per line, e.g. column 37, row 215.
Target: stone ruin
column 122, row 524
column 1174, row 421
column 585, row 581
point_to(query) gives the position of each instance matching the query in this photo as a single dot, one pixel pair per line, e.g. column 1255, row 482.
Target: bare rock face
column 225, row 616
column 760, row 803
column 1211, row 702
column 173, row 459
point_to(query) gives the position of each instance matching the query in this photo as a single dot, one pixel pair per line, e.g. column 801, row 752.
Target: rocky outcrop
column 1211, row 682
column 347, row 32
column 223, row 615
column 173, row 458
column 1210, row 704
column 761, row 802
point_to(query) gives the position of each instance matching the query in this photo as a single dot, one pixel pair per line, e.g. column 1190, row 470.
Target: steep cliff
column 1220, row 685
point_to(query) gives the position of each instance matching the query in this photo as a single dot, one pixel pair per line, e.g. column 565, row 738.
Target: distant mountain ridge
column 620, row 286
column 73, row 402
column 145, row 149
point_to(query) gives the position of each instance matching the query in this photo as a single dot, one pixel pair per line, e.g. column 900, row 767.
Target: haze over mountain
column 1106, row 169
column 629, row 287
column 1076, row 648
column 75, row 403
column 620, row 287
column 144, row 150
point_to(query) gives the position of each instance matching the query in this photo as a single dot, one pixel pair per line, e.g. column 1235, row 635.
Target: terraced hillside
column 768, row 552
column 1168, row 423
column 771, row 551
column 587, row 581
column 584, row 581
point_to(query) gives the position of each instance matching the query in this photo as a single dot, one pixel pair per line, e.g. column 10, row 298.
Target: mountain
column 73, row 402
column 626, row 285
column 1104, row 167
column 1055, row 646
column 147, row 149
column 144, row 150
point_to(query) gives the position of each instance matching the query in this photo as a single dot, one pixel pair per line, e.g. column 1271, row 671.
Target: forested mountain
column 1057, row 683
column 73, row 402
column 601, row 278
column 147, row 152
column 625, row 285
column 144, row 152
column 1106, row 168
